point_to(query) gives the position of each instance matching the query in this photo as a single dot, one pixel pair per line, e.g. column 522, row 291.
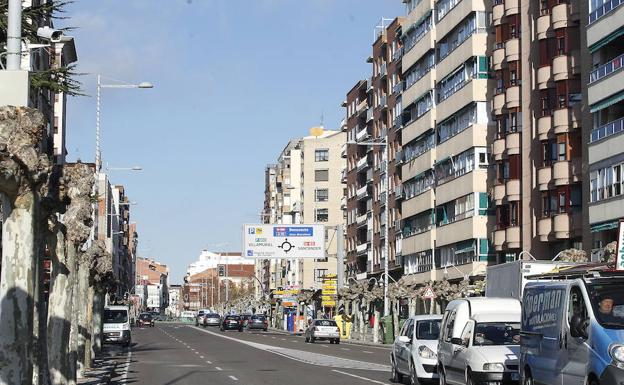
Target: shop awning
column 601, row 105
column 606, row 40
column 604, row 226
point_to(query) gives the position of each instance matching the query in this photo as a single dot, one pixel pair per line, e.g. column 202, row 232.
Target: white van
column 116, row 325
column 480, row 341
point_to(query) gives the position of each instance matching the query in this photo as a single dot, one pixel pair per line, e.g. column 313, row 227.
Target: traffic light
column 221, row 270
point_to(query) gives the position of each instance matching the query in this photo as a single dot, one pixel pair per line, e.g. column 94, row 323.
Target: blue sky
column 234, row 81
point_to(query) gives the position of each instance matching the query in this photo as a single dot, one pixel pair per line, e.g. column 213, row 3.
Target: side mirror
column 457, row 341
column 578, row 327
column 405, row 339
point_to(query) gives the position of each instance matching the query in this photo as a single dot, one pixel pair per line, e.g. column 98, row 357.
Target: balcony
column 512, row 97
column 511, row 7
column 544, row 228
column 566, row 225
column 512, row 49
column 562, row 16
column 343, row 151
column 369, row 114
column 565, row 119
column 362, row 164
column 544, row 178
column 512, row 237
column 383, row 70
column 604, row 70
column 398, row 192
column 498, row 11
column 360, row 220
column 499, row 239
column 398, row 157
column 361, row 107
column 543, row 77
column 566, row 172
column 418, row 242
column 343, row 203
column 383, row 102
column 361, row 249
column 500, row 193
column 607, row 130
column 606, row 8
column 398, row 88
column 498, row 148
column 362, row 192
column 544, row 124
column 513, row 190
column 498, row 57
column 498, row 104
column 543, row 27
column 398, row 54
column 564, row 66
column 512, row 143
column 361, row 134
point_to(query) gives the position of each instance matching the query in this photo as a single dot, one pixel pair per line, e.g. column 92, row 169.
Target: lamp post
column 100, row 85
column 385, row 145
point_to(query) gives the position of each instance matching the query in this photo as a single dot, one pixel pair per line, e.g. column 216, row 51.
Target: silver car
column 212, row 319
column 323, row 329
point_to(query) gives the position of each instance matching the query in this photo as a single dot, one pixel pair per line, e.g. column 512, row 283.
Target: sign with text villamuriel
column 284, row 241
column 619, row 256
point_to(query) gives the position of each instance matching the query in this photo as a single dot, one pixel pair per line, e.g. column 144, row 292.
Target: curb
column 344, row 341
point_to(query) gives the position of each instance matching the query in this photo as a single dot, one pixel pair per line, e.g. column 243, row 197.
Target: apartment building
column 373, row 172
column 307, row 188
column 605, row 96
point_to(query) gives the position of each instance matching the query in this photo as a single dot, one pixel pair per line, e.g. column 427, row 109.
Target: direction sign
column 429, row 294
column 329, row 291
column 284, row 241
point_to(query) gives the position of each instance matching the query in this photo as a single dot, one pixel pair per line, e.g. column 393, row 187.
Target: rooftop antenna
column 322, row 118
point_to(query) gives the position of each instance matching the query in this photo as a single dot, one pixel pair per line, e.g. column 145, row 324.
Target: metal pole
column 98, row 158
column 14, row 35
column 386, row 231
column 227, row 284
column 340, row 255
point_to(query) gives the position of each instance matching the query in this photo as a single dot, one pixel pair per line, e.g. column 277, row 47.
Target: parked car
column 480, row 341
column 323, row 329
column 116, row 325
column 414, row 352
column 211, row 319
column 232, row 322
column 199, row 318
column 258, row 321
column 145, row 319
column 573, row 329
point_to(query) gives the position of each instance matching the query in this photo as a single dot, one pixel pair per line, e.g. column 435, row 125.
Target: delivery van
column 116, row 325
column 479, row 341
column 573, row 329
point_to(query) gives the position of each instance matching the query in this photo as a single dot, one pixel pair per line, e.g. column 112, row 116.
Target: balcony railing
column 398, row 88
column 398, row 192
column 383, row 69
column 383, row 101
column 361, row 134
column 398, row 157
column 398, row 54
column 606, row 69
column 369, row 115
column 604, row 9
column 607, row 130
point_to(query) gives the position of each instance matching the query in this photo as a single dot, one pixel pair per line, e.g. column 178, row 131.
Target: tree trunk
column 60, row 311
column 89, row 329
column 73, row 334
column 395, row 318
column 98, row 311
column 81, row 313
column 376, row 326
column 17, row 291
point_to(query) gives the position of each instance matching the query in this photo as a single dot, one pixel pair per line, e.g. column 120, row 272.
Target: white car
column 323, row 329
column 199, row 318
column 414, row 353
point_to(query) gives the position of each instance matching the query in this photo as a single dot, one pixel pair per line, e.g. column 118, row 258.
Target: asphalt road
column 171, row 354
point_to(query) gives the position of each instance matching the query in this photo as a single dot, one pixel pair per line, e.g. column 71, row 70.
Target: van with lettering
column 572, row 329
column 479, row 342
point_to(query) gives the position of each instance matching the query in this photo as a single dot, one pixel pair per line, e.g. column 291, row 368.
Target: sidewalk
column 102, row 371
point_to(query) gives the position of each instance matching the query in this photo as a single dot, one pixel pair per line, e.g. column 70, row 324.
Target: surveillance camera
column 51, row 34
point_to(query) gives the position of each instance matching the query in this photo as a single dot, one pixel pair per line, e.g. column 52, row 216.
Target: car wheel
column 396, row 376
column 594, row 381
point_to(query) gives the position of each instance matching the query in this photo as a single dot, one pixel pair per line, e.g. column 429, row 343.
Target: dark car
column 258, row 321
column 145, row 319
column 232, row 322
column 245, row 318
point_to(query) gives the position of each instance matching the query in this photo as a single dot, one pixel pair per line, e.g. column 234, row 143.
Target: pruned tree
column 573, row 255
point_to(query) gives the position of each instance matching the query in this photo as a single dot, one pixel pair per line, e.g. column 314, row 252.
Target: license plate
column 515, row 376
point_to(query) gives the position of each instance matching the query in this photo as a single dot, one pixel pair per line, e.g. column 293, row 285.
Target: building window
column 321, row 155
column 321, row 175
column 322, row 195
column 321, row 215
column 320, row 274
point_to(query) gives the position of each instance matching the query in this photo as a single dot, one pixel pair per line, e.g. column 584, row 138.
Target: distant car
column 211, row 319
column 323, row 329
column 245, row 318
column 199, row 318
column 145, row 319
column 258, row 321
column 232, row 322
column 414, row 352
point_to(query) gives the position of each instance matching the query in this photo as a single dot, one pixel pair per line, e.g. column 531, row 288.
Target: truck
column 507, row 280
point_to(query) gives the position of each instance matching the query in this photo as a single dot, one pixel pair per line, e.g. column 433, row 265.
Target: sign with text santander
column 284, row 241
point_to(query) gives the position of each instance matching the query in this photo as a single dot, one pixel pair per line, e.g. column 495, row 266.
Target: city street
column 183, row 354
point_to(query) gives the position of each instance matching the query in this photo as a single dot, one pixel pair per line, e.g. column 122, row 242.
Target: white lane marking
column 360, row 377
column 233, row 378
column 196, row 352
column 366, row 351
column 345, row 348
column 273, row 337
column 325, row 346
column 283, row 339
column 209, row 362
column 202, row 357
column 124, row 377
column 218, row 368
column 294, row 341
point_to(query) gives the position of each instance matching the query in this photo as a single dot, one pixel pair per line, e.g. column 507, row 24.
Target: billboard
column 329, row 291
column 284, row 241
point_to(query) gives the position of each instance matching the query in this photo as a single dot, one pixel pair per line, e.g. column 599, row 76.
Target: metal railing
column 606, row 69
column 604, row 9
column 607, row 130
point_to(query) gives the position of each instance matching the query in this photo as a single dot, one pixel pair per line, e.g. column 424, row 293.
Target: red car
column 145, row 319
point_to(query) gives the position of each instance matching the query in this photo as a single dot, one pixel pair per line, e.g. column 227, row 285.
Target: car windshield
column 212, row 315
column 145, row 316
column 608, row 304
column 257, row 317
column 497, row 333
column 115, row 316
column 233, row 317
column 428, row 330
column 325, row 322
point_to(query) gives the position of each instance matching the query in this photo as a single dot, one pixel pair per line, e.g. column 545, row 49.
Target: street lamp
column 385, row 145
column 118, row 84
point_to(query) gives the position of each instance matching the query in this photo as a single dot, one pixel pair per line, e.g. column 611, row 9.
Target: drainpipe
column 14, row 35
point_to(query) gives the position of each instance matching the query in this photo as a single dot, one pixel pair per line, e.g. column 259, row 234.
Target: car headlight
column 493, row 367
column 425, row 352
column 617, row 353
